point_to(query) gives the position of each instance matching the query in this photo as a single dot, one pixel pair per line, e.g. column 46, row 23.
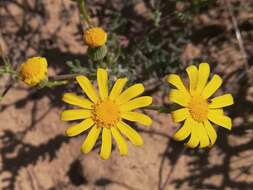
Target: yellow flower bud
column 33, row 71
column 95, row 37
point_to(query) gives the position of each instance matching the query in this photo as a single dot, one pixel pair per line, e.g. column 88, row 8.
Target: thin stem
column 83, row 11
column 158, row 108
column 63, row 77
column 6, row 91
column 3, row 56
column 238, row 35
column 7, row 69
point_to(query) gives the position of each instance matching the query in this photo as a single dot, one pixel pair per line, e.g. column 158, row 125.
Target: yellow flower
column 107, row 112
column 95, row 37
column 197, row 110
column 33, row 71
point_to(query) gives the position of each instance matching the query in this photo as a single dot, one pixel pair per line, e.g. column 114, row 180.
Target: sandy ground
column 36, row 155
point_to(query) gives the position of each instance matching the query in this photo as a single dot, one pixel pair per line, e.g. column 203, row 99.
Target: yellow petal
column 87, row 87
column 137, row 117
column 220, row 119
column 221, row 101
column 212, row 86
column 130, row 133
column 69, row 115
column 136, row 103
column 106, row 147
column 217, row 111
column 183, row 132
column 203, row 75
column 210, row 132
column 130, row 93
column 102, row 80
column 194, row 138
column 121, row 143
column 73, row 99
column 192, row 72
column 180, row 114
column 117, row 88
column 79, row 128
column 91, row 139
column 176, row 81
column 203, row 137
column 178, row 97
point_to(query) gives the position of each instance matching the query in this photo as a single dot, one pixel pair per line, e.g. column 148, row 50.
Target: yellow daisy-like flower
column 198, row 111
column 106, row 112
column 33, row 71
column 95, row 37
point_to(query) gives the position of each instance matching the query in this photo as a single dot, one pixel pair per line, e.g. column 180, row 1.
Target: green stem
column 158, row 108
column 7, row 69
column 83, row 11
column 53, row 84
column 12, row 72
column 63, row 77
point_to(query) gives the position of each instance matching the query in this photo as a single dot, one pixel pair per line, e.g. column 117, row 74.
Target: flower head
column 198, row 111
column 95, row 37
column 33, row 71
column 106, row 112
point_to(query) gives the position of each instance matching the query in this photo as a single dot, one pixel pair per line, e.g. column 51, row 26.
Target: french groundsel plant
column 109, row 111
column 106, row 112
column 198, row 110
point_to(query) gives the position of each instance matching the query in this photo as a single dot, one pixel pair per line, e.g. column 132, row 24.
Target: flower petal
column 183, row 132
column 180, row 114
column 117, row 88
column 130, row 93
column 79, row 128
column 106, row 147
column 210, row 132
column 136, row 103
column 87, row 87
column 203, row 75
column 102, row 80
column 176, row 81
column 69, row 115
column 137, row 117
column 91, row 139
column 73, row 99
column 178, row 97
column 194, row 138
column 221, row 101
column 121, row 143
column 130, row 133
column 192, row 72
column 217, row 111
column 220, row 119
column 203, row 137
column 212, row 86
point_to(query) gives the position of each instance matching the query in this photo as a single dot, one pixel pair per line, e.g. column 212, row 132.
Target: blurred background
column 153, row 38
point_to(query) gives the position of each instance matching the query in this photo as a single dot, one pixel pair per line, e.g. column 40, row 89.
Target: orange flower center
column 198, row 107
column 106, row 113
